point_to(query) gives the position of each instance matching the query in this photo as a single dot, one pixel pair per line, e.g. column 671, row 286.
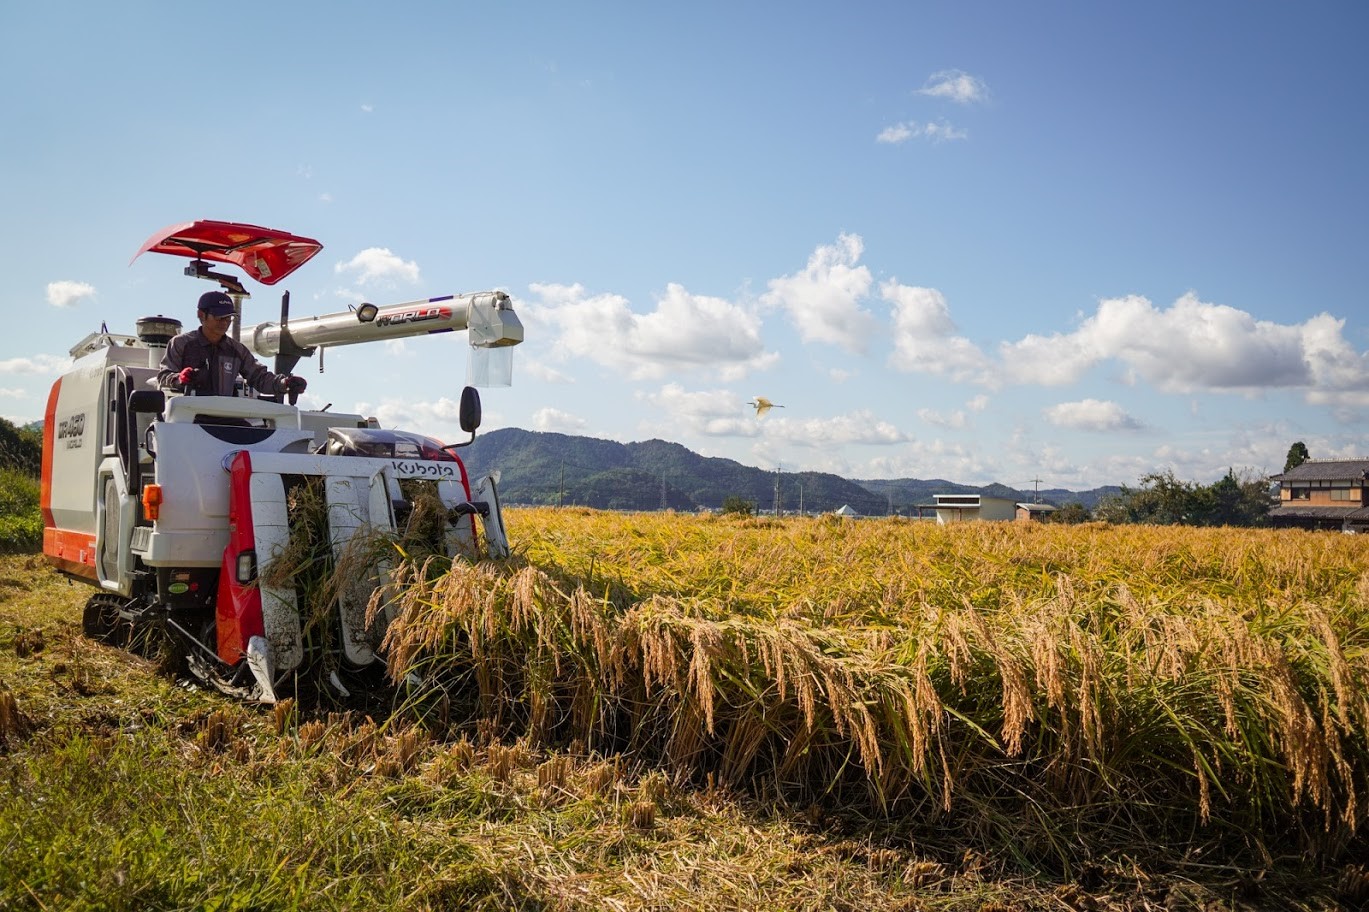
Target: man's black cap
column 216, row 303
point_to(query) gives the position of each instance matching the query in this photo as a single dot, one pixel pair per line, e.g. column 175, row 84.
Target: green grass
column 121, row 789
column 21, row 524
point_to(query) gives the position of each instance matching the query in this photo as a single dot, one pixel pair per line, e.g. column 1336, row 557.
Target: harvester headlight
column 246, row 570
column 366, row 313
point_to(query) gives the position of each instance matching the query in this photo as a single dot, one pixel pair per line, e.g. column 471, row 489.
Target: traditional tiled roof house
column 1324, row 494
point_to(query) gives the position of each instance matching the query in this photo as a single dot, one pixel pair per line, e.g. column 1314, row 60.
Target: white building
column 952, row 508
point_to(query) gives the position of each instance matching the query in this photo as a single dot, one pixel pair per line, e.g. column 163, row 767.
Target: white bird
column 762, row 405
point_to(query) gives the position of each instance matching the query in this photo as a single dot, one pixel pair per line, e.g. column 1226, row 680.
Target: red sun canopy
column 265, row 254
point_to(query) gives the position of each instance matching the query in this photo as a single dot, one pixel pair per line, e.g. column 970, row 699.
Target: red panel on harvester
column 237, row 610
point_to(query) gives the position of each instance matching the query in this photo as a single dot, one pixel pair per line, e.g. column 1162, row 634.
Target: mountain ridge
column 544, row 467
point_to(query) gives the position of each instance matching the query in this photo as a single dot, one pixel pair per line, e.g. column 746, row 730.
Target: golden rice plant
column 1024, row 685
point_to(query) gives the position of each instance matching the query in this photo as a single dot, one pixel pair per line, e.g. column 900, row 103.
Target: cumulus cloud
column 934, row 459
column 823, row 300
column 439, row 418
column 684, row 332
column 899, row 133
column 1191, row 346
column 955, row 85
column 1091, row 415
column 895, row 134
column 38, row 365
column 859, row 427
column 954, row 420
column 712, row 413
column 927, row 340
column 378, row 265
column 539, row 370
column 67, row 293
column 552, row 420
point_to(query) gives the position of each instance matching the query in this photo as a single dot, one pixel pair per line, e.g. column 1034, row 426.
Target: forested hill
column 544, row 468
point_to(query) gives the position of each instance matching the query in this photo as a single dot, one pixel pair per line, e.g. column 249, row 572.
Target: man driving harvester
column 206, row 362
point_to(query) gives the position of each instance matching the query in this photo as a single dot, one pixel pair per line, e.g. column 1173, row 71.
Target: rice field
column 1051, row 694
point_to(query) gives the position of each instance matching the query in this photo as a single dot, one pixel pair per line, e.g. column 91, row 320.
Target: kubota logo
column 423, row 469
column 415, row 315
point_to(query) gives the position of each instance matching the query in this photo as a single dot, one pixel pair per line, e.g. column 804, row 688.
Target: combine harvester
column 172, row 506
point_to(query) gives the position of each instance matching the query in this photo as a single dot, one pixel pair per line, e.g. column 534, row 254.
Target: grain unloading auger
column 175, row 506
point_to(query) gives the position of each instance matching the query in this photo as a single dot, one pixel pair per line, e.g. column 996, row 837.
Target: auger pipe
column 487, row 314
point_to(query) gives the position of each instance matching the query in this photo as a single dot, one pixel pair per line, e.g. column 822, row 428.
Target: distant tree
column 21, row 448
column 1297, row 455
column 1070, row 514
column 1162, row 499
column 734, row 503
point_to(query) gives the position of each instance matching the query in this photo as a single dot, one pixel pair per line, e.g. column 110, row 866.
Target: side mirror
column 469, row 415
column 147, row 402
column 470, row 409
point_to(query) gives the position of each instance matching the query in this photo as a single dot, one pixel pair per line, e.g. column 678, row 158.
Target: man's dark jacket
column 216, row 366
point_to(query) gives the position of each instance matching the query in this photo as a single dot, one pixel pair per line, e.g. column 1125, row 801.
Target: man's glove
column 289, row 383
column 186, row 377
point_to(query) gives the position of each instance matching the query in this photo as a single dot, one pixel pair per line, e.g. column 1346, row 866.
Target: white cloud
column 1190, row 346
column 896, row 134
column 933, row 459
column 6, row 393
column 926, row 338
column 38, row 364
column 367, row 108
column 539, row 370
column 684, row 332
column 900, row 133
column 556, row 421
column 978, row 403
column 822, row 301
column 1091, row 415
column 67, row 293
column 859, row 427
column 955, row 420
column 712, row 413
column 439, row 418
column 955, row 85
column 378, row 264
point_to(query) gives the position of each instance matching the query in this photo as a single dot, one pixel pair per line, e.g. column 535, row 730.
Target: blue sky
column 1054, row 244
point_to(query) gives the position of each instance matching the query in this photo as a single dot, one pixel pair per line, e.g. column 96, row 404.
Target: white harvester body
column 174, row 506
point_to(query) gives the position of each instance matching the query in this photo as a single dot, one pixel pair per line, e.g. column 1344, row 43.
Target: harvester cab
column 197, row 515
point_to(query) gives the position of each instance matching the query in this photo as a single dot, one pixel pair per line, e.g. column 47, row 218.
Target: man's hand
column 186, row 377
column 289, row 383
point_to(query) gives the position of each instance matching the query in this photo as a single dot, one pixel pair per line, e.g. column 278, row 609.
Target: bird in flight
column 762, row 405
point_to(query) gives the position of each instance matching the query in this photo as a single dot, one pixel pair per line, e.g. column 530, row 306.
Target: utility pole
column 800, row 498
column 1036, row 493
column 561, row 490
column 663, row 500
column 777, row 489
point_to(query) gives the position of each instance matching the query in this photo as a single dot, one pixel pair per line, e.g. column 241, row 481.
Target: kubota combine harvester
column 173, row 505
